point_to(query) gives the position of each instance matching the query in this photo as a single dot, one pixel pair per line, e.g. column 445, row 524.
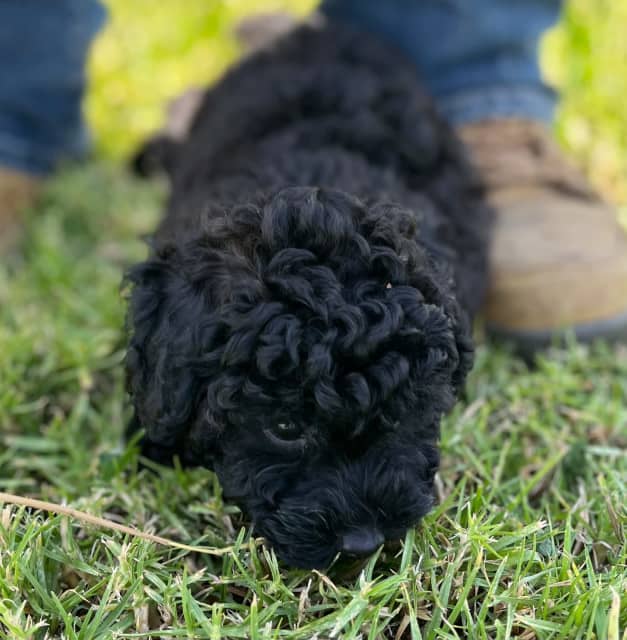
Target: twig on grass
column 87, row 518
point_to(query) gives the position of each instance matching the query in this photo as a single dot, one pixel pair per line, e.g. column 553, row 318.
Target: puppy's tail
column 158, row 155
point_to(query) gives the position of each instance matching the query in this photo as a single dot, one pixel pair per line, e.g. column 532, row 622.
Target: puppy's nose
column 362, row 542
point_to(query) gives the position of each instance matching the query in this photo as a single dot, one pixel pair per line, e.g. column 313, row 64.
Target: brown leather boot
column 559, row 255
column 261, row 29
column 17, row 192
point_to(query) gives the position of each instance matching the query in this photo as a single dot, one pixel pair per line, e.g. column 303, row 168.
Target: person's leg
column 558, row 257
column 479, row 59
column 43, row 48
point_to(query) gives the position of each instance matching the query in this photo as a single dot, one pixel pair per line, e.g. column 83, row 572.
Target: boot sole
column 528, row 343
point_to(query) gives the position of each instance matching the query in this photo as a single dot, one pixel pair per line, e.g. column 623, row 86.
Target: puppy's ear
column 172, row 334
column 401, row 253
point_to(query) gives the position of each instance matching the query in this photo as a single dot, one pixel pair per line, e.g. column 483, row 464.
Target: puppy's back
column 330, row 106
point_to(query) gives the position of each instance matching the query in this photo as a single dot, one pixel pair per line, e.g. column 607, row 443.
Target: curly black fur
column 303, row 321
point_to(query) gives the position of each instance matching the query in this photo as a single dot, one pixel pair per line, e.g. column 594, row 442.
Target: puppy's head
column 306, row 349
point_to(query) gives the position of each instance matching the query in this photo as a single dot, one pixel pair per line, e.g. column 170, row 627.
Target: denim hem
column 25, row 156
column 517, row 101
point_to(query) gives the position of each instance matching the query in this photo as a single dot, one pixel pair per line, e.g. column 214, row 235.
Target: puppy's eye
column 285, row 433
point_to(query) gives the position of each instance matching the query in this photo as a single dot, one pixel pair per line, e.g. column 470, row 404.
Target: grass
column 528, row 540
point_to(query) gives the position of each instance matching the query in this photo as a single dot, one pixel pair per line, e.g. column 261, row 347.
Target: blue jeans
column 477, row 57
column 43, row 49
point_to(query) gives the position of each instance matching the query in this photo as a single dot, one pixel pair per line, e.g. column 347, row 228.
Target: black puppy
column 303, row 321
